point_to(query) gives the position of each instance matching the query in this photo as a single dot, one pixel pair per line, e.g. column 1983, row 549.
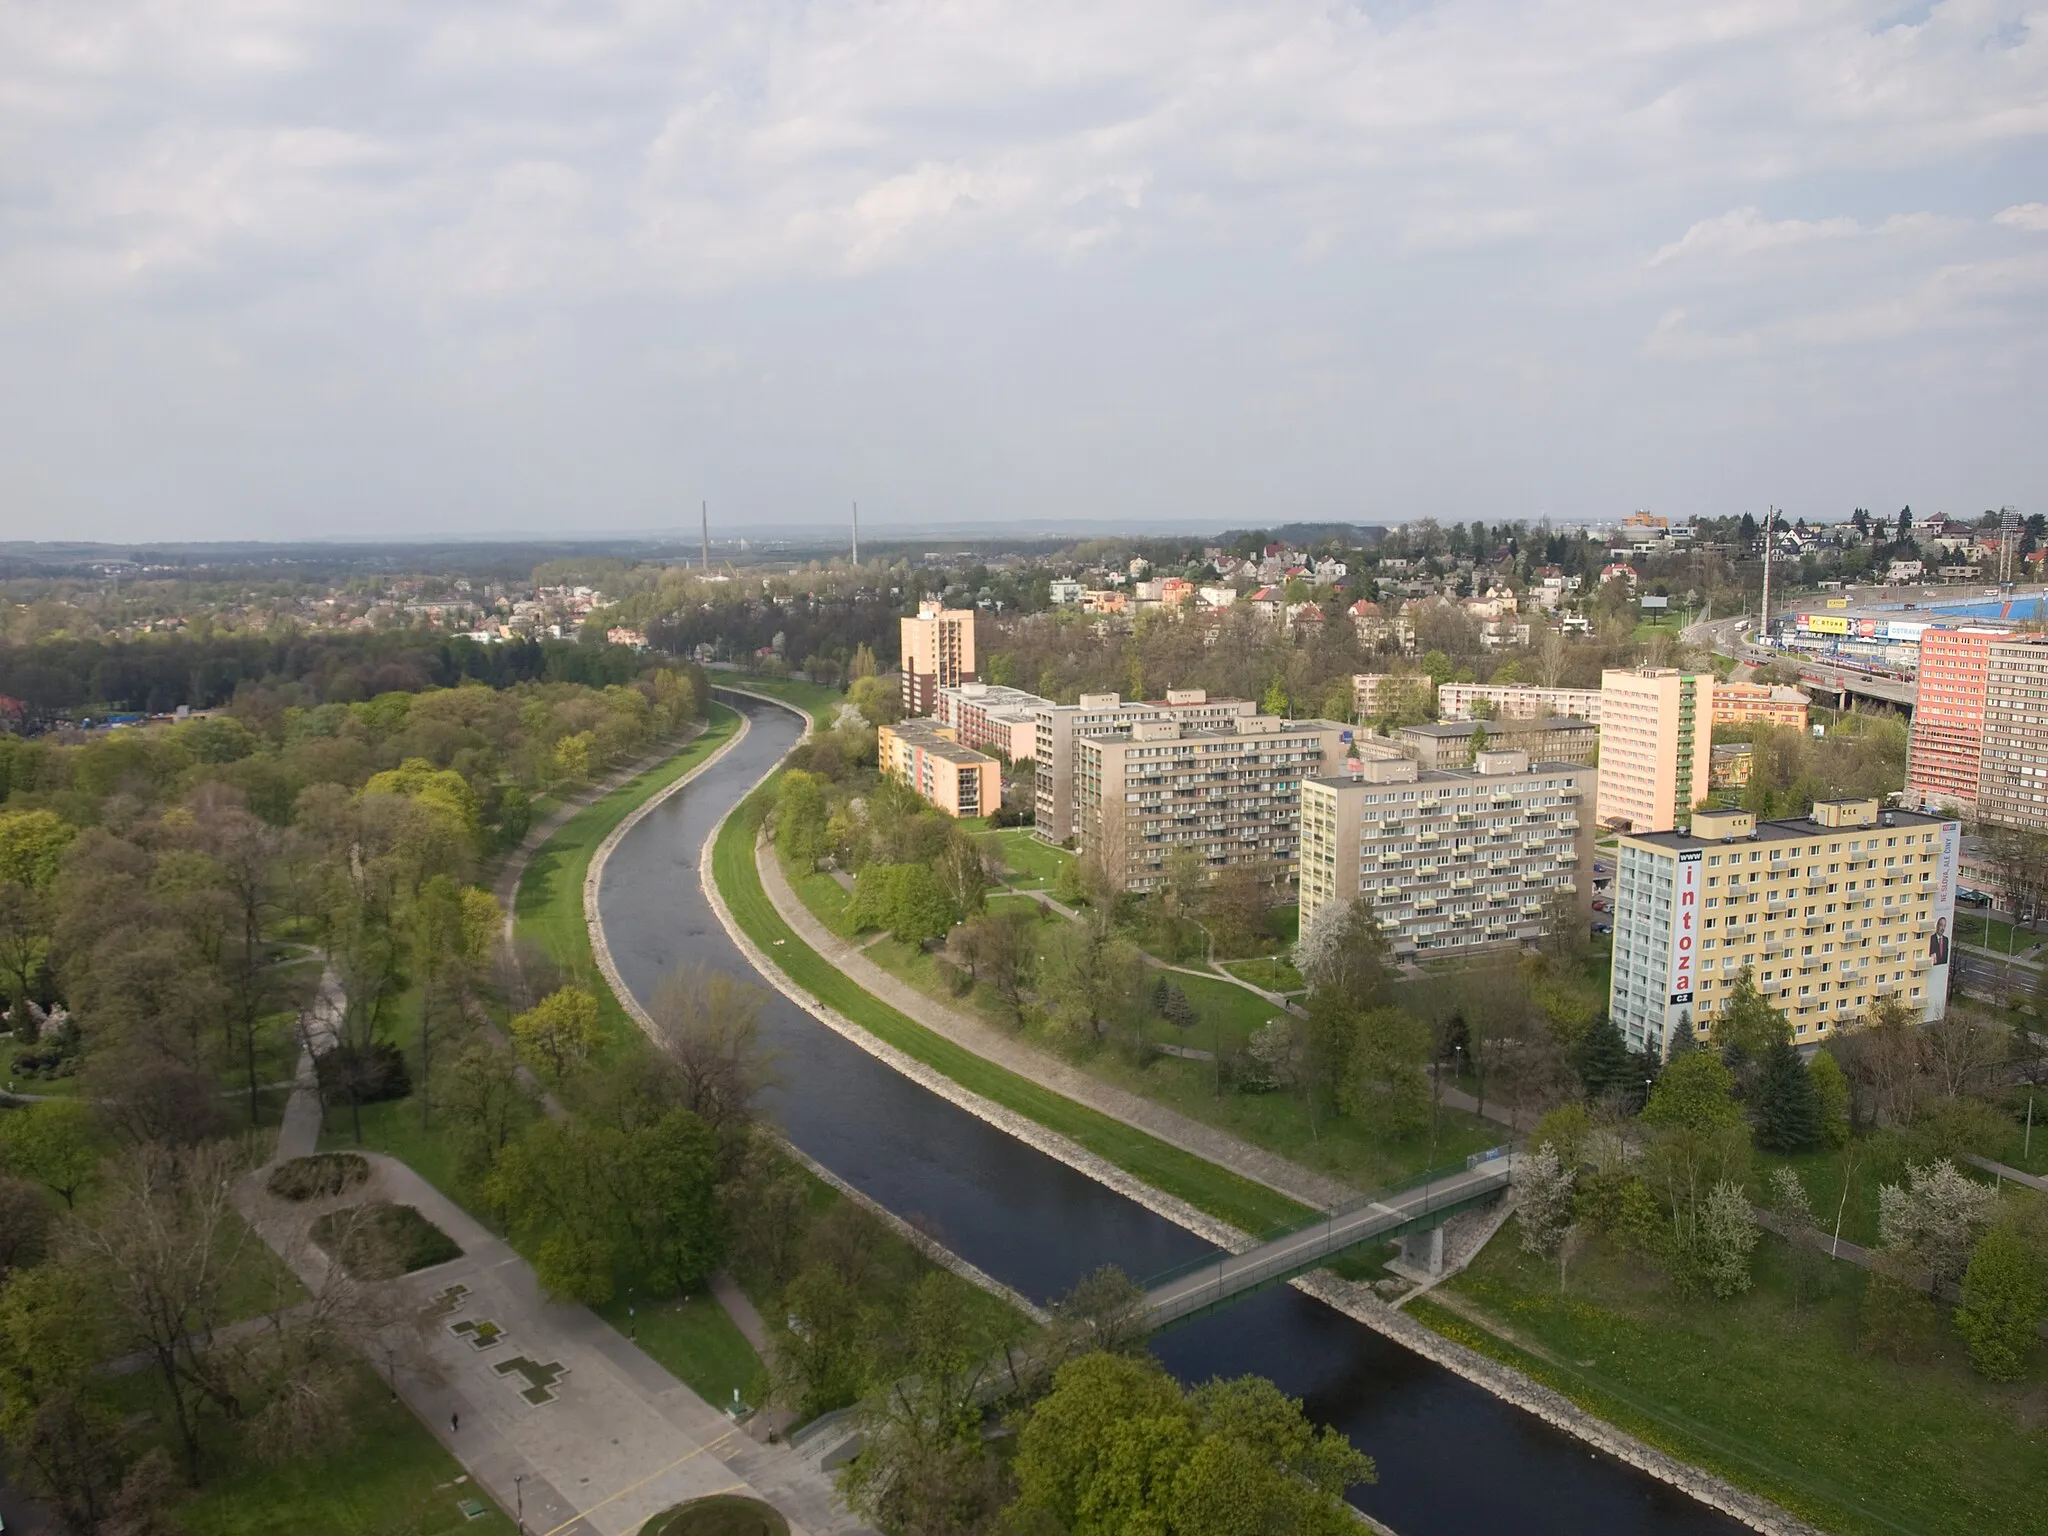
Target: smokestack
column 856, row 533
column 705, row 507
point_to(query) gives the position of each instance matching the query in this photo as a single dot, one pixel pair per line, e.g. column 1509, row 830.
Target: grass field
column 1994, row 933
column 814, row 699
column 1034, row 864
column 548, row 909
column 698, row 1344
column 1775, row 1397
column 388, row 1478
column 1276, row 973
column 1202, row 1184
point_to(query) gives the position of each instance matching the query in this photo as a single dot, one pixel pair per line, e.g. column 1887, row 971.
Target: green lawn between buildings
column 1216, row 1190
column 1775, row 1398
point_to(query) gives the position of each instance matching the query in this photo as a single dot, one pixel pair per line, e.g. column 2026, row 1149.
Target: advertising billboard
column 1824, row 623
column 1941, row 942
column 1685, row 927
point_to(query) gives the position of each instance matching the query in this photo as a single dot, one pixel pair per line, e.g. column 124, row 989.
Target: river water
column 1453, row 1459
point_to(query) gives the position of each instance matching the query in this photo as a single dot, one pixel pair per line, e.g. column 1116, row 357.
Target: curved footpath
column 1348, row 1298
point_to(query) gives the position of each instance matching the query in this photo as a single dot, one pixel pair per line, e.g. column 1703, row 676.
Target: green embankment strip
column 814, row 699
column 1796, row 1489
column 1223, row 1194
column 549, row 907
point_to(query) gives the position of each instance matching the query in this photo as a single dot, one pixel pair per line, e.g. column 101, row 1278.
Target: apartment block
column 1391, row 693
column 992, row 717
column 1745, row 703
column 2012, row 783
column 957, row 779
column 1448, row 858
column 1945, row 755
column 1461, row 701
column 1059, row 726
column 938, row 652
column 1827, row 912
column 1656, row 746
column 1456, row 743
column 1232, row 794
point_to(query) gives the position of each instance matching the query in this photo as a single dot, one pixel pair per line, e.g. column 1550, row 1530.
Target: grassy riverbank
column 814, row 699
column 1771, row 1392
column 1202, row 1184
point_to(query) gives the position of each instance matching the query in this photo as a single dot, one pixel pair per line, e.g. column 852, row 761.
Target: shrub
column 379, row 1240
column 363, row 1076
column 315, row 1177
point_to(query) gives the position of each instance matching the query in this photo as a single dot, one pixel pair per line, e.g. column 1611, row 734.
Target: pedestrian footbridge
column 1422, row 1206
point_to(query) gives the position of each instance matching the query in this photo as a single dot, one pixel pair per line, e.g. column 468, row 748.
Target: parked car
column 1603, row 927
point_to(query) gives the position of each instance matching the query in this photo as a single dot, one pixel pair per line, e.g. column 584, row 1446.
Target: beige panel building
column 1828, row 912
column 992, row 717
column 1232, row 795
column 1391, row 693
column 1451, row 743
column 958, row 780
column 1059, row 726
column 938, row 652
column 1449, row 859
column 1743, row 703
column 1515, row 701
column 1656, row 746
column 2012, row 777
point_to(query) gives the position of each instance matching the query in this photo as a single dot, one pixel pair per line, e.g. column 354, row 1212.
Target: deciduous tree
column 559, row 1033
column 2003, row 1299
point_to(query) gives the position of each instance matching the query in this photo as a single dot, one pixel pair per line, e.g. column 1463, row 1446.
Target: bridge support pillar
column 1423, row 1252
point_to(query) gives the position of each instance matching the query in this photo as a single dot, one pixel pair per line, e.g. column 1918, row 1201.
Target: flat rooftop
column 1446, row 730
column 1446, row 776
column 1794, row 829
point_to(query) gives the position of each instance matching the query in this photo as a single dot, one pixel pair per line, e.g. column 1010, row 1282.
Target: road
column 1727, row 637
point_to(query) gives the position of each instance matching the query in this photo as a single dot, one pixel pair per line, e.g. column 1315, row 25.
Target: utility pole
column 856, row 533
column 705, row 507
column 1763, row 623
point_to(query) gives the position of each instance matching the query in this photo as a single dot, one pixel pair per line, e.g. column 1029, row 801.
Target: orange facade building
column 1747, row 703
column 958, row 780
column 938, row 652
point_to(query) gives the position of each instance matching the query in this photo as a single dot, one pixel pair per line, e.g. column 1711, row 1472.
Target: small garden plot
column 723, row 1514
column 315, row 1177
column 379, row 1240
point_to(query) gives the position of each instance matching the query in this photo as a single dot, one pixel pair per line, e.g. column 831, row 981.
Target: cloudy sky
column 363, row 267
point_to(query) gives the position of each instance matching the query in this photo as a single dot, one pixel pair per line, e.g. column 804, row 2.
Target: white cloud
column 414, row 190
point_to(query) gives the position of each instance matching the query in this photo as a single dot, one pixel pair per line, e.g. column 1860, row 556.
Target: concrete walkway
column 1048, row 1071
column 556, row 1411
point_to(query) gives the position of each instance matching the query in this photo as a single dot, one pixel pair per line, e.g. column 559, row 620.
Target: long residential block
column 957, row 779
column 1059, row 726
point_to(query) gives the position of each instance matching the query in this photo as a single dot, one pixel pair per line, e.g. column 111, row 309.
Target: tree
column 485, row 1100
column 1345, row 953
column 24, row 943
column 800, row 819
column 32, row 843
column 906, row 899
column 1695, row 1093
column 1240, row 897
column 1387, row 1086
column 1543, row 1201
column 52, row 1143
column 708, row 1024
column 559, row 1033
column 1936, row 1217
column 1117, row 1447
column 1748, row 1027
column 60, row 1437
column 999, row 951
column 1793, row 1209
column 1567, row 937
column 452, row 936
column 1830, row 1097
column 1788, row 1116
column 668, row 1183
column 1603, row 1062
column 1091, row 976
column 2003, row 1299
column 1723, row 1237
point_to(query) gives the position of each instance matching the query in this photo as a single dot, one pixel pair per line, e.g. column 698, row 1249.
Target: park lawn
column 548, row 908
column 387, row 1478
column 1774, row 1398
column 694, row 1341
column 1033, row 862
column 1218, row 1005
column 393, row 1127
column 1276, row 973
column 44, row 1087
column 827, row 898
column 1993, row 933
column 1001, row 901
column 1218, row 1191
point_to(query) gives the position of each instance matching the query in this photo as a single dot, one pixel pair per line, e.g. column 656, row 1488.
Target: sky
column 355, row 268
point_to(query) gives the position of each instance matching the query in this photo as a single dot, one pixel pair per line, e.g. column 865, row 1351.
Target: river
column 1453, row 1459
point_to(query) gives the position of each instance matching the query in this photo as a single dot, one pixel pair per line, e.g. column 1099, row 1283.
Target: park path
column 1048, row 1071
column 559, row 1417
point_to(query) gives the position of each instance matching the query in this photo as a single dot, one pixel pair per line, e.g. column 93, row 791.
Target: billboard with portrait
column 1941, row 942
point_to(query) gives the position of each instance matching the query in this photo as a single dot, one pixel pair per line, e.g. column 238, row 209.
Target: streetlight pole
column 519, row 1491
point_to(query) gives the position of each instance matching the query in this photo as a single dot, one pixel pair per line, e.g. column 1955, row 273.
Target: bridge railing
column 1437, row 1188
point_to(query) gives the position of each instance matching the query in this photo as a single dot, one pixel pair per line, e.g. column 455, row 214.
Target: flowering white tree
column 1723, row 1240
column 1937, row 1218
column 1343, row 950
column 1543, row 1200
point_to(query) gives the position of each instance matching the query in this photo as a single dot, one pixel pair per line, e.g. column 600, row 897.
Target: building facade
column 1447, row 858
column 957, row 779
column 992, row 717
column 1945, row 755
column 1059, row 726
column 1233, row 795
column 1460, row 701
column 1827, row 913
column 938, row 652
column 1456, row 743
column 1391, row 693
column 1745, row 703
column 2012, row 783
column 1656, row 746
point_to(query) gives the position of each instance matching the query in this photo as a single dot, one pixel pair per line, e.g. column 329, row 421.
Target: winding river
column 1453, row 1460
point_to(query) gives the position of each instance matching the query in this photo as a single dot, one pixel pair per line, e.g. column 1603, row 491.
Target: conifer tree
column 1788, row 1117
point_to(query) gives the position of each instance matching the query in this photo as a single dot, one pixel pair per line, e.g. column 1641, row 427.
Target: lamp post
column 519, row 1492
